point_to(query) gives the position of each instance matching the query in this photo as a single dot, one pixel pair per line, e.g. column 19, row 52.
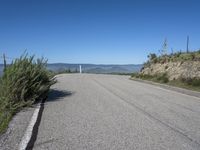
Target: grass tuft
column 187, row 83
column 24, row 82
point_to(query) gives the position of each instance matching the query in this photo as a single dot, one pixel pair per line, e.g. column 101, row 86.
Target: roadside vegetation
column 161, row 78
column 173, row 57
column 188, row 83
column 24, row 82
column 120, row 73
column 191, row 84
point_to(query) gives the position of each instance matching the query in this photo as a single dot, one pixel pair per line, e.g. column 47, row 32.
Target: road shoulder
column 16, row 129
column 168, row 87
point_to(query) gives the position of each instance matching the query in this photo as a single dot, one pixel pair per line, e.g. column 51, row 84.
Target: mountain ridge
column 91, row 68
column 96, row 68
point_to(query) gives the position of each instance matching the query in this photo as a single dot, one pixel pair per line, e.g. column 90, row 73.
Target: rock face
column 175, row 70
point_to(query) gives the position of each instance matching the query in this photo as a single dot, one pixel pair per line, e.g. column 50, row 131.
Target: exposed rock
column 175, row 70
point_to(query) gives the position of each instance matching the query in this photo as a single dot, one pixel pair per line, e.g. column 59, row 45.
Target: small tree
column 152, row 56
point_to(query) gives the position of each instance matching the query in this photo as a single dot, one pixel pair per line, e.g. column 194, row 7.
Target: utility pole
column 4, row 61
column 164, row 47
column 188, row 44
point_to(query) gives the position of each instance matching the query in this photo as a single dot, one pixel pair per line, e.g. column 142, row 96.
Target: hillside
column 179, row 69
column 175, row 70
column 176, row 66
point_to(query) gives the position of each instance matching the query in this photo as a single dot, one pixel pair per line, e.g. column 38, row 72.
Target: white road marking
column 27, row 136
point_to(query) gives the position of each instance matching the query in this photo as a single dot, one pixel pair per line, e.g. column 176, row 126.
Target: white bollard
column 80, row 68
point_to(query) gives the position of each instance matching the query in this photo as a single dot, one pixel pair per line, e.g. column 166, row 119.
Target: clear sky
column 97, row 31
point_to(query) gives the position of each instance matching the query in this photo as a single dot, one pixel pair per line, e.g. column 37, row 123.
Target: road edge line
column 29, row 130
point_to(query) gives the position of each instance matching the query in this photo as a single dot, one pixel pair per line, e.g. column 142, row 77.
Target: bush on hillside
column 162, row 77
column 151, row 56
column 191, row 81
column 174, row 57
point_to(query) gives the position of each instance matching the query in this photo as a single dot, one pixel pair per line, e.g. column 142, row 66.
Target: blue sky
column 97, row 31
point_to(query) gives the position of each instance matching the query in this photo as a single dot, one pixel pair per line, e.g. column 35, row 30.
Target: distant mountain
column 92, row 68
column 96, row 70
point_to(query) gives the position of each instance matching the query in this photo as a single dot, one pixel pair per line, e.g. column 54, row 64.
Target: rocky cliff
column 175, row 70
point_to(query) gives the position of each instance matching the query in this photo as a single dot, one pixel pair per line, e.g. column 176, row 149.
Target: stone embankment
column 175, row 70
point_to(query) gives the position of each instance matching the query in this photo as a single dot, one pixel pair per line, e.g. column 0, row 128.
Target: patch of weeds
column 23, row 82
column 163, row 78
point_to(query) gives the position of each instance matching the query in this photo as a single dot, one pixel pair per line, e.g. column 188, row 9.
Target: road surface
column 110, row 112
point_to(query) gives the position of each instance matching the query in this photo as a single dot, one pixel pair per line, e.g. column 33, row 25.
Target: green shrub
column 152, row 56
column 134, row 75
column 196, row 82
column 192, row 55
column 155, row 60
column 147, row 64
column 191, row 81
column 140, row 75
column 197, row 57
column 163, row 78
column 24, row 82
column 176, row 55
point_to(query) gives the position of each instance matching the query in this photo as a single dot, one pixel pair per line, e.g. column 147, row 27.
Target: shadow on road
column 55, row 95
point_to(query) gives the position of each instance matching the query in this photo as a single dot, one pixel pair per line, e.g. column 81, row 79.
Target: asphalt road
column 110, row 112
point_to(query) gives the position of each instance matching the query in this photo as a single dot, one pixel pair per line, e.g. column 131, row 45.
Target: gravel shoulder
column 11, row 139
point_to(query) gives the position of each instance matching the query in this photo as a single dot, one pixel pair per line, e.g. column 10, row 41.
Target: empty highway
column 111, row 112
